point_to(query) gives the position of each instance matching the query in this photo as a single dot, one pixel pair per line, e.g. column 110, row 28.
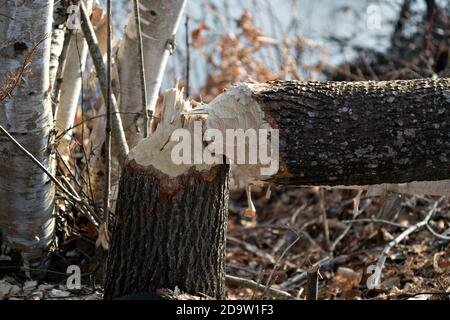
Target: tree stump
column 170, row 220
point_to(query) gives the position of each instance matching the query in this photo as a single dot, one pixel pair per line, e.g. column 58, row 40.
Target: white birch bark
column 26, row 193
column 71, row 87
column 59, row 17
column 159, row 22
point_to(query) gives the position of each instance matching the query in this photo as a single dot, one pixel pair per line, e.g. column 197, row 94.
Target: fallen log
column 346, row 133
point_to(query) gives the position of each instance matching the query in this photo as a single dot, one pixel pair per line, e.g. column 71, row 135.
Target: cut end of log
column 156, row 150
column 235, row 109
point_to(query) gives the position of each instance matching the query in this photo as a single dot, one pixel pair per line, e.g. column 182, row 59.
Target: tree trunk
column 170, row 221
column 26, row 192
column 169, row 232
column 159, row 22
column 58, row 34
column 346, row 133
column 71, row 87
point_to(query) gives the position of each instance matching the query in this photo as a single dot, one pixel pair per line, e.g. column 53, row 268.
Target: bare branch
column 100, row 67
column 241, row 282
column 382, row 259
column 137, row 17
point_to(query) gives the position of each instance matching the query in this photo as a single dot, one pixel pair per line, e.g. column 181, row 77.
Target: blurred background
column 233, row 40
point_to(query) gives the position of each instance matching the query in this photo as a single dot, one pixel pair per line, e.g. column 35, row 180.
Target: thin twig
column 60, row 158
column 326, row 230
column 107, row 187
column 63, row 133
column 39, row 164
column 83, row 149
column 356, row 213
column 438, row 235
column 73, row 197
column 137, row 18
column 325, row 263
column 12, row 79
column 373, row 220
column 253, row 249
column 188, row 58
column 269, row 279
column 376, row 278
column 91, row 39
column 275, row 293
column 90, row 214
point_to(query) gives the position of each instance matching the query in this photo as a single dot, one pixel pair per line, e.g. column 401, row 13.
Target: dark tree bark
column 359, row 133
column 312, row 284
column 170, row 231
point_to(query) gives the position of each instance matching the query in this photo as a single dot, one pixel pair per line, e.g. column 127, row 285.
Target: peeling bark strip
column 26, row 193
column 349, row 133
column 169, row 232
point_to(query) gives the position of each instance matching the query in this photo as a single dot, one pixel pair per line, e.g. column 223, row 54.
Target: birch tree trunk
column 159, row 22
column 26, row 193
column 71, row 87
column 58, row 33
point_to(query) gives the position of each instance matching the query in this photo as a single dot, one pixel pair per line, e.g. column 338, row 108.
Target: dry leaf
column 347, row 278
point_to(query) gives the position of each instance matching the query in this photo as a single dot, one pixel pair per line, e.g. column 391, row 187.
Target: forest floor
column 287, row 238
column 278, row 245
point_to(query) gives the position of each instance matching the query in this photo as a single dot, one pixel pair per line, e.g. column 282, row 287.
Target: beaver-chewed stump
column 170, row 220
column 170, row 232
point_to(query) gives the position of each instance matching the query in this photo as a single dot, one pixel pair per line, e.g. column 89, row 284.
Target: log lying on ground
column 346, row 133
column 171, row 220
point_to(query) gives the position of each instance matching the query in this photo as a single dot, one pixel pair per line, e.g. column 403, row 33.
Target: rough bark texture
column 359, row 133
column 26, row 193
column 170, row 231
